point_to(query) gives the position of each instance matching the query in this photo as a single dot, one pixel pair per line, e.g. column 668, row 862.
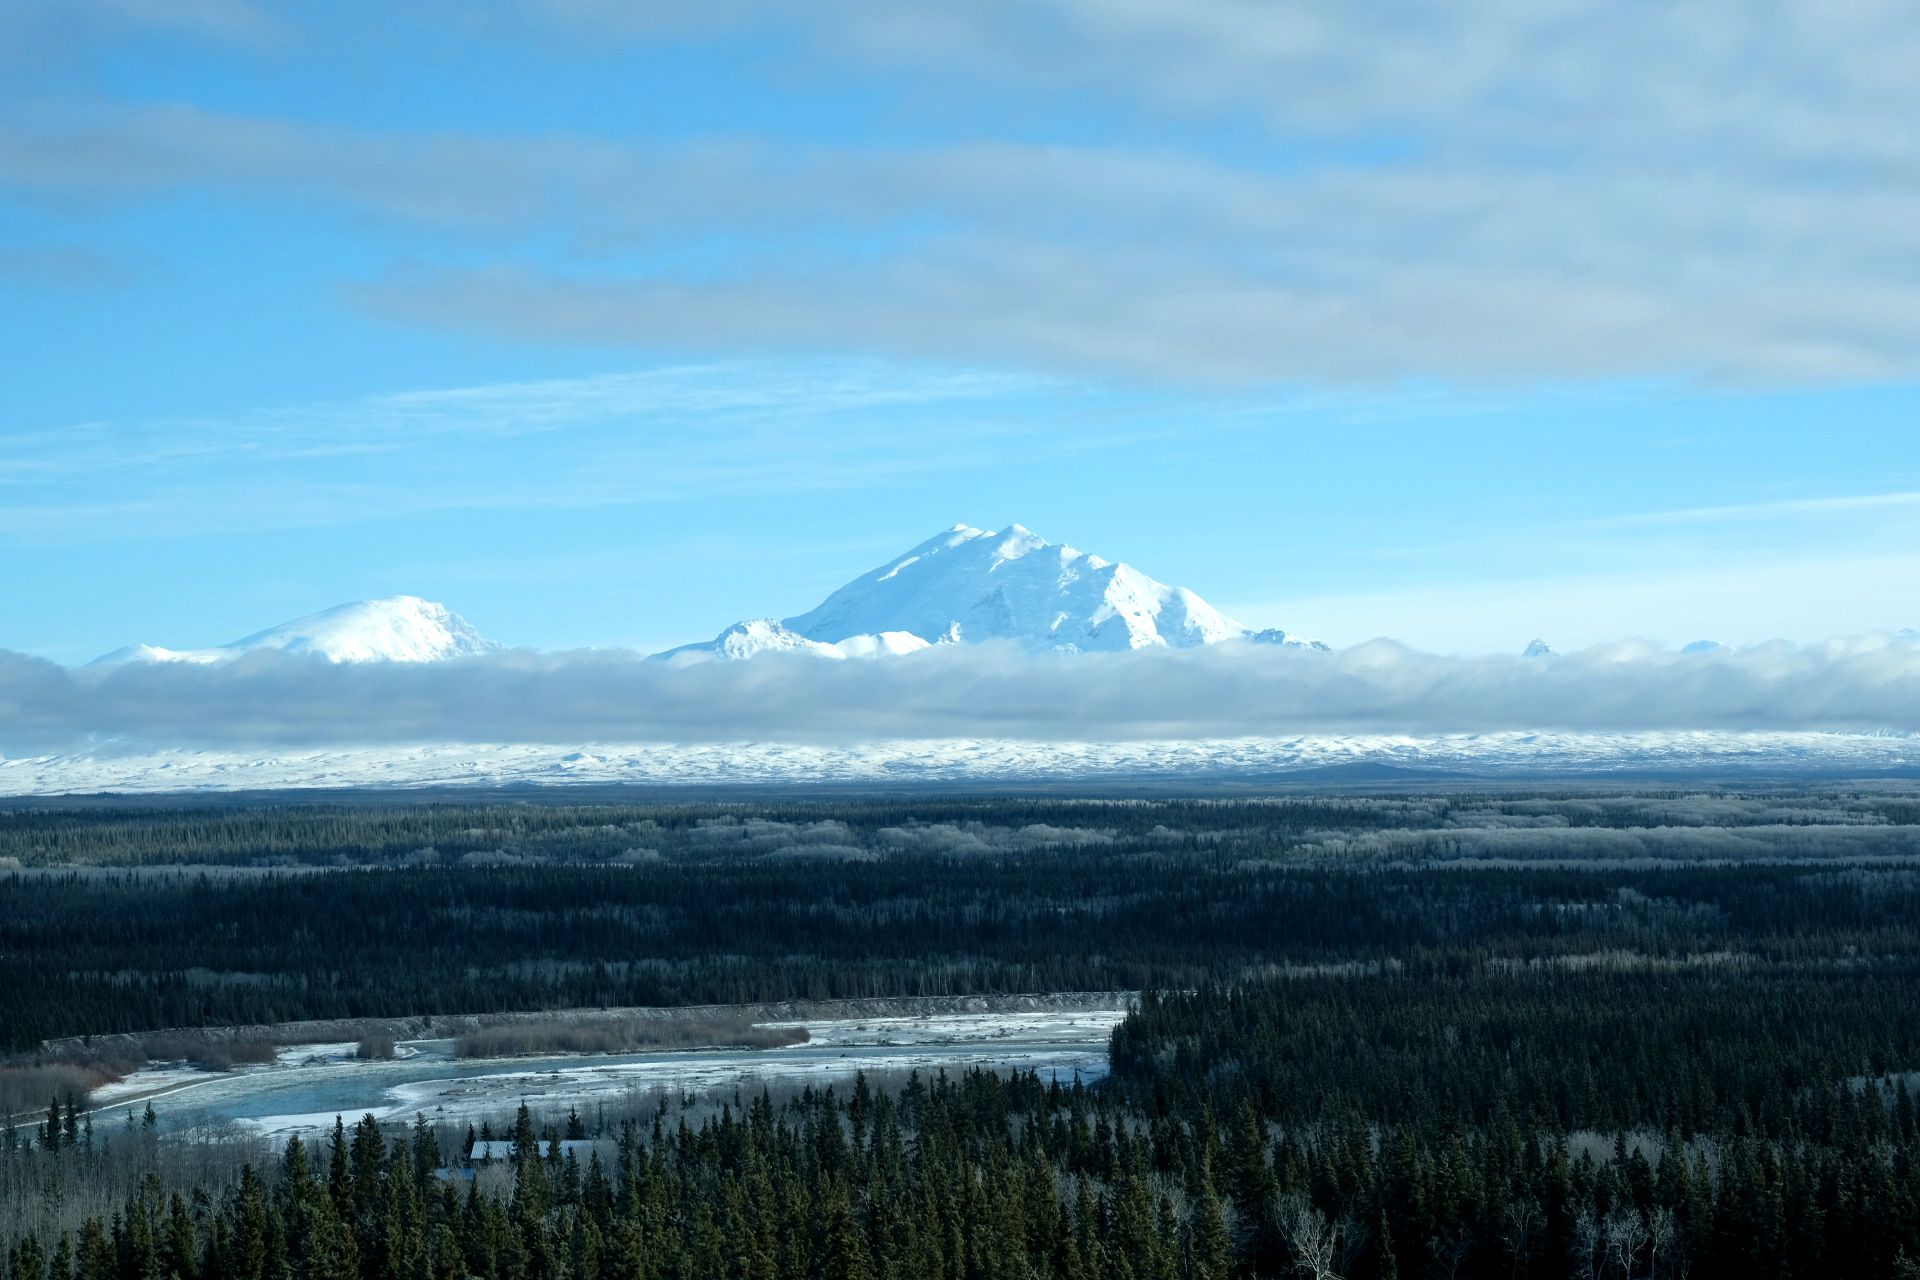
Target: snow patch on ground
column 958, row 760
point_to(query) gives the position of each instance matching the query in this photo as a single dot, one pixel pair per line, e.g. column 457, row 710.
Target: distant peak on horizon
column 965, row 585
column 971, row 585
column 403, row 628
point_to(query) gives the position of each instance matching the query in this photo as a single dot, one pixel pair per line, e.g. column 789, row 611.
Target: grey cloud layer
column 272, row 700
column 1489, row 191
column 1792, row 82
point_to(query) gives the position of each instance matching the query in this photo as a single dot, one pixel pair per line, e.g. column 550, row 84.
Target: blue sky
column 1460, row 324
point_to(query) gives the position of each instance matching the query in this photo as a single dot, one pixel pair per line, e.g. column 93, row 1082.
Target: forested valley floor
column 1616, row 1034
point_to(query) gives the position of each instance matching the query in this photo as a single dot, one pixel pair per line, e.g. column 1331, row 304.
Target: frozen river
column 309, row 1085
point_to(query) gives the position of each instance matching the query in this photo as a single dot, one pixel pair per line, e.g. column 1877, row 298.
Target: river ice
column 308, row 1085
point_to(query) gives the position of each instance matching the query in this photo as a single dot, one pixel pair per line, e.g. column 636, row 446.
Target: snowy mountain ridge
column 967, row 585
column 394, row 629
column 766, row 635
column 962, row 586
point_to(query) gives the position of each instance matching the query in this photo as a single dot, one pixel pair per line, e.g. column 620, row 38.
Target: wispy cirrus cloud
column 1838, row 504
column 670, row 434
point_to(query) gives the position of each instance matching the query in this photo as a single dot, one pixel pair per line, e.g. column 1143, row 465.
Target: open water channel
column 309, row 1085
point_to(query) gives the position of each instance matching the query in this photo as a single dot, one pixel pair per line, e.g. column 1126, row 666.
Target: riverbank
column 304, row 1088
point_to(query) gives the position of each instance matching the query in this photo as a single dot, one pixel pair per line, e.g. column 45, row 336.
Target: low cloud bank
column 271, row 699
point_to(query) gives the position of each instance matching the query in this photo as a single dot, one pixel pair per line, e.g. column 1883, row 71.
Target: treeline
column 336, row 834
column 625, row 1035
column 558, row 830
column 92, row 953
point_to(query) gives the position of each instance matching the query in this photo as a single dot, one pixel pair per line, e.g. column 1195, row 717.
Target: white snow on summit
column 970, row 585
column 157, row 653
column 748, row 639
column 1285, row 639
column 764, row 635
column 396, row 629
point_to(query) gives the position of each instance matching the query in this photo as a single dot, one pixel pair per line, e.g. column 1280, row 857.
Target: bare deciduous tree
column 1311, row 1237
column 1450, row 1252
column 1520, row 1223
column 1626, row 1234
column 1662, row 1234
column 1588, row 1237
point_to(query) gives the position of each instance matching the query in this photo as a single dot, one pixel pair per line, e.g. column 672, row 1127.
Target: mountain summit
column 962, row 586
column 396, row 629
column 969, row 585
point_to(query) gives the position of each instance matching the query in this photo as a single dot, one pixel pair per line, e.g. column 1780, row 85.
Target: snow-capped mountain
column 1282, row 637
column 764, row 635
column 396, row 629
column 969, row 585
column 963, row 586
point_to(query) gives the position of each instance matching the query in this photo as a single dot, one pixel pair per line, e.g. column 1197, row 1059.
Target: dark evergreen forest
column 1621, row 1036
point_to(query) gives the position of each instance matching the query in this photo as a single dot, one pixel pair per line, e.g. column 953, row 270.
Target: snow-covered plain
column 967, row 761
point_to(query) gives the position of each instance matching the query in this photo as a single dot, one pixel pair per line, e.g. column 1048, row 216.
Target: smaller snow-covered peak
column 395, row 629
column 155, row 653
column 1703, row 646
column 1285, row 639
column 745, row 640
column 1537, row 648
